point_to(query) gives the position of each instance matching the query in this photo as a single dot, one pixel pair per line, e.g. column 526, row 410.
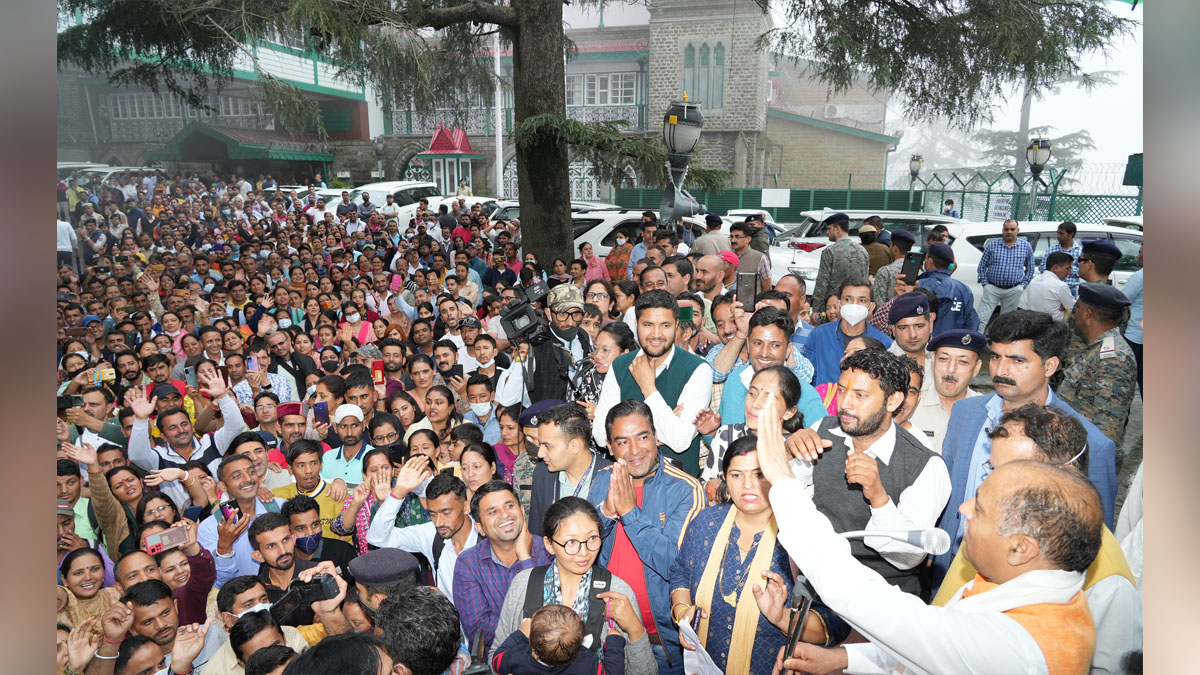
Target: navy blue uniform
column 957, row 307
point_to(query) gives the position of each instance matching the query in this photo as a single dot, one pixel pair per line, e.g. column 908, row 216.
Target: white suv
column 810, row 235
column 968, row 240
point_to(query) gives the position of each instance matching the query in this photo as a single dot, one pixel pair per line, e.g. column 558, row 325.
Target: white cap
column 347, row 410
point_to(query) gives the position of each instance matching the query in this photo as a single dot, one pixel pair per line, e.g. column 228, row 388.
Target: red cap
column 729, row 257
column 286, row 409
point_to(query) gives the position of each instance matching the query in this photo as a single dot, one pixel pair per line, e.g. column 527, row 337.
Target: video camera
column 524, row 322
column 300, row 594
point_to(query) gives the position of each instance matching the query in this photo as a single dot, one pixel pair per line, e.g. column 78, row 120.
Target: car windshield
column 801, row 230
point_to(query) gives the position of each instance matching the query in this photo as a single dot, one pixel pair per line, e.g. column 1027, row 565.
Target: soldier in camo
column 883, row 288
column 1096, row 264
column 843, row 259
column 1101, row 380
column 524, row 464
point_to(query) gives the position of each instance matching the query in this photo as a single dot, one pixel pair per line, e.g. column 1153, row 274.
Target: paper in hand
column 696, row 662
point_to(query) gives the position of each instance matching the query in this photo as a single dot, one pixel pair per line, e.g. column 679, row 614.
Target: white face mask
column 620, row 241
column 487, row 364
column 854, row 314
column 352, row 318
column 481, row 409
column 257, row 608
column 285, row 323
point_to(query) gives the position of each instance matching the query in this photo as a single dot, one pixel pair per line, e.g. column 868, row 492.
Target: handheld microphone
column 934, row 541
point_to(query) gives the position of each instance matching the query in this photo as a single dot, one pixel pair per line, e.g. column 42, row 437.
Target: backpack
column 593, row 628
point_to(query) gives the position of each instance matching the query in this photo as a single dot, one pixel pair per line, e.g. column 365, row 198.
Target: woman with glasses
column 599, row 292
column 613, row 340
column 156, row 506
column 572, row 537
column 733, row 570
column 364, row 500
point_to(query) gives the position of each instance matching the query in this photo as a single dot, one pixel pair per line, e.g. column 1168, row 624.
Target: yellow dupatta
column 745, row 622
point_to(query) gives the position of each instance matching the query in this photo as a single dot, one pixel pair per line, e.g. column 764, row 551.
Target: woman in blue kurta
column 728, row 550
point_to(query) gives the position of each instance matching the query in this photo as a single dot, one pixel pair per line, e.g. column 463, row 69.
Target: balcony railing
column 480, row 121
column 162, row 129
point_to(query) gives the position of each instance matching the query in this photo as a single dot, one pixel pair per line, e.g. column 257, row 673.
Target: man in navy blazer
column 1025, row 348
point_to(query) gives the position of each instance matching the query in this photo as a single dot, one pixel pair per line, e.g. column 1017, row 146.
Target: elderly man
column 1053, row 437
column 1024, row 612
column 956, row 357
column 1024, row 348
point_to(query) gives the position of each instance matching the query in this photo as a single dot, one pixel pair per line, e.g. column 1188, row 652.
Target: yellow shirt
column 328, row 511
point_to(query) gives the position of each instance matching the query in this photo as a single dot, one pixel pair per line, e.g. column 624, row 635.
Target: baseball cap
column 347, row 410
column 564, row 297
column 729, row 257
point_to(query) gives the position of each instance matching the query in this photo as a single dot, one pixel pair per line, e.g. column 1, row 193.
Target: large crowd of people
column 302, row 438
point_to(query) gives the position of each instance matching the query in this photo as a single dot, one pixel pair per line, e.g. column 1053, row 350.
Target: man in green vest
column 675, row 385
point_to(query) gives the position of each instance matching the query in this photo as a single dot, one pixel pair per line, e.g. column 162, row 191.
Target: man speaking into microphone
column 866, row 473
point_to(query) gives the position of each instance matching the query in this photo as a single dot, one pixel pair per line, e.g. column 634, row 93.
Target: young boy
column 551, row 642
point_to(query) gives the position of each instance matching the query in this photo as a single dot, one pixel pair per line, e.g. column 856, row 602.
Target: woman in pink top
column 596, row 267
column 353, row 326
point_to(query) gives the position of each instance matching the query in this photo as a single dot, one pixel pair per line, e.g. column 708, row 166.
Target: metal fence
column 975, row 198
column 980, row 195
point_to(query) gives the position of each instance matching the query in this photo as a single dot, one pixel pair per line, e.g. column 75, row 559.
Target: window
column 704, row 73
column 574, row 90
column 1129, row 252
column 622, row 88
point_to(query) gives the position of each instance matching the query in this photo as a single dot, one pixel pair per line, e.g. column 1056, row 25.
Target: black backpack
column 594, row 626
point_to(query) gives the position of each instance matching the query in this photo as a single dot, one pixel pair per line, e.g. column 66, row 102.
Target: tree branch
column 479, row 12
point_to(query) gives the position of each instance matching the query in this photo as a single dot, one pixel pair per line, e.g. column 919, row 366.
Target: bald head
column 710, row 271
column 1059, row 509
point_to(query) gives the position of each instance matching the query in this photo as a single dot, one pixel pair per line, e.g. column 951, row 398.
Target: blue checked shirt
column 1075, row 251
column 1002, row 265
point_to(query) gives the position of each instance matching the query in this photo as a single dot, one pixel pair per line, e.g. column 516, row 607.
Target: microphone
column 934, row 541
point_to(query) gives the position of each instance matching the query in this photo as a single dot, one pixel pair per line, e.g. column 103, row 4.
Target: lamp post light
column 379, row 147
column 1038, row 155
column 914, row 169
column 681, row 131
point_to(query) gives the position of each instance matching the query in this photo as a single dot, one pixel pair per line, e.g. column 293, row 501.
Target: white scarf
column 1031, row 588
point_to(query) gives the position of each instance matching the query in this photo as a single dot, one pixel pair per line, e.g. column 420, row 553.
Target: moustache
column 1003, row 380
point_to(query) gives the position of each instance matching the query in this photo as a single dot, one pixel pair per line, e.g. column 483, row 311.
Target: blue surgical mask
column 308, row 545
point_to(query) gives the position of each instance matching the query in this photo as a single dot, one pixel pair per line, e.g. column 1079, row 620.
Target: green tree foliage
column 1004, row 150
column 945, row 58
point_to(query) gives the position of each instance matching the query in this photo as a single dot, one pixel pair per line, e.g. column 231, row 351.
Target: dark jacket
column 545, row 492
column 516, row 656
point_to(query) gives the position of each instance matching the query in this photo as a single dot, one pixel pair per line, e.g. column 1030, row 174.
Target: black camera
column 65, row 402
column 522, row 321
column 300, row 594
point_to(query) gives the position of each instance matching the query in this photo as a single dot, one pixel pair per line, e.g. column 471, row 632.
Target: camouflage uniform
column 884, row 286
column 1100, row 383
column 523, row 478
column 840, row 261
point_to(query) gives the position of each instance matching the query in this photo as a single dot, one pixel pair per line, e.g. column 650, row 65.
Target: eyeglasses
column 385, row 439
column 571, row 546
column 157, row 511
column 597, row 296
column 570, row 314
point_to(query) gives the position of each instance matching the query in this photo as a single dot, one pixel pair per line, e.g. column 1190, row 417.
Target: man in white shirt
column 1049, row 292
column 865, row 473
column 1028, row 558
column 449, row 532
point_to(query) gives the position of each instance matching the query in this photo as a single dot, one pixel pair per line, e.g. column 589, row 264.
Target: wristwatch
column 266, row 387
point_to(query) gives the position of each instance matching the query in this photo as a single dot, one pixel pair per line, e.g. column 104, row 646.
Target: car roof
column 1131, row 220
column 967, row 229
column 393, row 185
column 858, row 214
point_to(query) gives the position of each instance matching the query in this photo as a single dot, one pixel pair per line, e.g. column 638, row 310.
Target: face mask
column 308, row 545
column 620, row 241
column 285, row 323
column 72, row 374
column 84, row 355
column 225, row 212
column 352, row 318
column 854, row 314
column 164, row 671
column 487, row 364
column 308, row 393
column 481, row 409
column 257, row 608
column 567, row 334
column 329, row 366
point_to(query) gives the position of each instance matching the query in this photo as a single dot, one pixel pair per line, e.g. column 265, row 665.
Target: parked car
column 97, row 175
column 65, row 168
column 507, row 209
column 969, row 239
column 1127, row 222
column 407, row 194
column 810, row 235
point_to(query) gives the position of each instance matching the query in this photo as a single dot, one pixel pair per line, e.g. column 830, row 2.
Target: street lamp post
column 914, row 169
column 681, row 131
column 1038, row 155
column 379, row 147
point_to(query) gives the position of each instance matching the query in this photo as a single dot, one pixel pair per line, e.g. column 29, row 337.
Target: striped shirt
column 1075, row 251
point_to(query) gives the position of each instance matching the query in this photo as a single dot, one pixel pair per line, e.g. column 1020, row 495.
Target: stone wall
column 674, row 22
column 813, row 157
